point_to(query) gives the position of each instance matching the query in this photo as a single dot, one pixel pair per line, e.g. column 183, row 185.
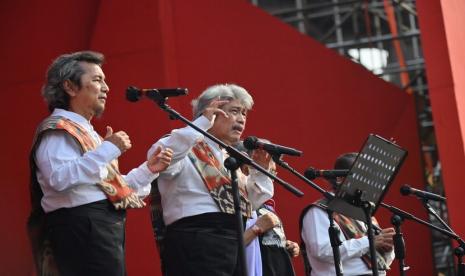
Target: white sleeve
column 316, row 238
column 59, row 159
column 259, row 188
column 181, row 141
column 140, row 178
column 389, row 257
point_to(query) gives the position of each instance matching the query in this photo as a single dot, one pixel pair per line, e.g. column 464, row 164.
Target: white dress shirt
column 320, row 253
column 68, row 178
column 252, row 251
column 183, row 191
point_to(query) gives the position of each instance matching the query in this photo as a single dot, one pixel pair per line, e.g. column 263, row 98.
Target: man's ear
column 70, row 88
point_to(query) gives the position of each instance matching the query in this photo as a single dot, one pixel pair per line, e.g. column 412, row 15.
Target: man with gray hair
column 76, row 186
column 195, row 189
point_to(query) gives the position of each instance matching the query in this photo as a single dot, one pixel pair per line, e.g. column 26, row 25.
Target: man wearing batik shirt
column 76, row 186
column 195, row 190
column 354, row 250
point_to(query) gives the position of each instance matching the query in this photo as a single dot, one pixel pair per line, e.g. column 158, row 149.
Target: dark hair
column 66, row 67
column 343, row 162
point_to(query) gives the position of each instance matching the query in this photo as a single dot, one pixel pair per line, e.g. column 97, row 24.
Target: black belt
column 98, row 208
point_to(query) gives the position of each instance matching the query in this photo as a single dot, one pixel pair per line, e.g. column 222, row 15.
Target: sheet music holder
column 369, row 178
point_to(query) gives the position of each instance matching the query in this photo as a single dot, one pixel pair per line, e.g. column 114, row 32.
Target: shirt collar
column 77, row 118
column 212, row 144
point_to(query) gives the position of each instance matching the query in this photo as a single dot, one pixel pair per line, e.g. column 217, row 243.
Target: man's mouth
column 238, row 128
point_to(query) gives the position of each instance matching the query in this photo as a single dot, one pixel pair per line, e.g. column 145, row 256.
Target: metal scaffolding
column 383, row 36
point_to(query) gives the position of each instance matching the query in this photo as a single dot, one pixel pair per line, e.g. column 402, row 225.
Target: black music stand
column 369, row 179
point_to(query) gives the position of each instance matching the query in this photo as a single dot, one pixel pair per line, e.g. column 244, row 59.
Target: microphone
column 312, row 173
column 133, row 94
column 407, row 190
column 253, row 142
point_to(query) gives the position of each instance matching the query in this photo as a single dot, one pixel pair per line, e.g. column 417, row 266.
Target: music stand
column 369, row 178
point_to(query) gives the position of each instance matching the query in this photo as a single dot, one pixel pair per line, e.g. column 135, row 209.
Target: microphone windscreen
column 310, row 173
column 250, row 143
column 405, row 190
column 133, row 94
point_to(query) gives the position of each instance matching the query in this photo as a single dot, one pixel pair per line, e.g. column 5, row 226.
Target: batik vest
column 114, row 187
column 351, row 229
column 218, row 183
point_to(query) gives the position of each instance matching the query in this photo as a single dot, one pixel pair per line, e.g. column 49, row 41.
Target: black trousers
column 202, row 245
column 88, row 239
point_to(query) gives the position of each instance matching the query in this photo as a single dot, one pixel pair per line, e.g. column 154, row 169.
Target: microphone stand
column 367, row 209
column 459, row 251
column 335, row 241
column 399, row 244
column 333, row 230
column 235, row 160
column 232, row 165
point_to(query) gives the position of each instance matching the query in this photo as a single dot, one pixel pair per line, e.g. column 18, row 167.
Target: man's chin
column 99, row 111
column 235, row 139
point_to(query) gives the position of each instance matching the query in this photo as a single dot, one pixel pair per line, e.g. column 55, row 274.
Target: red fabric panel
column 306, row 96
column 443, row 42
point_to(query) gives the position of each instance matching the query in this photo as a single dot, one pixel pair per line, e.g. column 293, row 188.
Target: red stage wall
column 306, row 96
column 443, row 42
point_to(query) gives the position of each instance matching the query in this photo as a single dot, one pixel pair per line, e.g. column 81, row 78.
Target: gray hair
column 223, row 92
column 66, row 67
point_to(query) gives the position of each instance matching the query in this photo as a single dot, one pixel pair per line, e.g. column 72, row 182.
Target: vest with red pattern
column 114, row 186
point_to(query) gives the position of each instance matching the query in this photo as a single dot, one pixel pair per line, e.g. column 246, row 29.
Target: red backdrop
column 306, row 96
column 443, row 46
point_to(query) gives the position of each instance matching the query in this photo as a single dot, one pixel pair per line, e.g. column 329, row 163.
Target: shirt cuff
column 258, row 176
column 109, row 151
column 145, row 171
column 365, row 244
column 203, row 123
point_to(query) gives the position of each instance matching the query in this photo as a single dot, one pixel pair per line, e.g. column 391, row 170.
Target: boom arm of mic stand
column 460, row 250
column 406, row 215
column 432, row 212
column 232, row 151
column 277, row 159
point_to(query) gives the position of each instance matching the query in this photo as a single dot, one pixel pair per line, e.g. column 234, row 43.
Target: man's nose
column 241, row 118
column 105, row 87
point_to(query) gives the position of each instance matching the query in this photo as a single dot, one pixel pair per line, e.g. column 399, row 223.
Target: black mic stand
column 367, row 209
column 232, row 165
column 335, row 241
column 333, row 230
column 459, row 251
column 399, row 244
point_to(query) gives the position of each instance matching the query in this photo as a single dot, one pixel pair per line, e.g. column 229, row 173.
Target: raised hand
column 214, row 109
column 267, row 221
column 263, row 158
column 383, row 241
column 159, row 160
column 293, row 248
column 119, row 139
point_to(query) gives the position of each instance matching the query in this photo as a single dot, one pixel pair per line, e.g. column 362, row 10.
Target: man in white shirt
column 354, row 248
column 196, row 192
column 76, row 186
